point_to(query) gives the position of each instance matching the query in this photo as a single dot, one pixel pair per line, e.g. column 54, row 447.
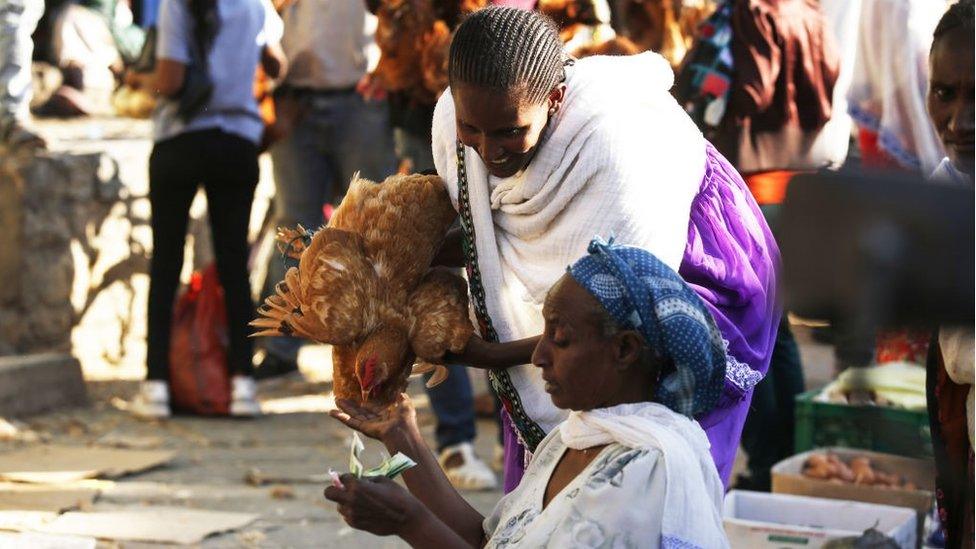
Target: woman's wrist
column 416, row 521
column 422, row 528
column 401, row 438
column 475, row 352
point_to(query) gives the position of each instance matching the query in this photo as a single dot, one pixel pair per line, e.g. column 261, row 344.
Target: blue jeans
column 453, row 404
column 338, row 134
column 413, row 147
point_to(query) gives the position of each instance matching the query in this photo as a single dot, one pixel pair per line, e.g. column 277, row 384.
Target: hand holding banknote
column 368, row 498
column 375, row 504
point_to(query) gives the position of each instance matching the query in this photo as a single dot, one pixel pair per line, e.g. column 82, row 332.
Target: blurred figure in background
column 214, row 145
column 330, row 131
column 951, row 103
column 887, row 95
column 18, row 19
column 887, row 102
column 778, row 121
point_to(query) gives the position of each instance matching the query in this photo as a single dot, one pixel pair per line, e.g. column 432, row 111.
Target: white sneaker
column 152, row 402
column 472, row 474
column 244, row 397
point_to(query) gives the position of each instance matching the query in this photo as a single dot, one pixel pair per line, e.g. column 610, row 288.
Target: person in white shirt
column 331, row 132
column 18, row 19
column 213, row 143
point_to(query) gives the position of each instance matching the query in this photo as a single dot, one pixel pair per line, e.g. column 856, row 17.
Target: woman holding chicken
column 630, row 352
column 539, row 154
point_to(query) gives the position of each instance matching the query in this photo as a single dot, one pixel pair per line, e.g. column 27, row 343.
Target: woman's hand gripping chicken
column 364, row 285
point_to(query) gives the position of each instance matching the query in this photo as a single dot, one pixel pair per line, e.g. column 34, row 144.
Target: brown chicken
column 414, row 38
column 665, row 26
column 364, row 285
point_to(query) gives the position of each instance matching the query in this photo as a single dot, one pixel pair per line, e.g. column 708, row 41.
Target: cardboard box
column 776, row 521
column 788, row 479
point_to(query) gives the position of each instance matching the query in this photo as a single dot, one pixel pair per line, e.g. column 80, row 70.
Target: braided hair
column 958, row 15
column 506, row 49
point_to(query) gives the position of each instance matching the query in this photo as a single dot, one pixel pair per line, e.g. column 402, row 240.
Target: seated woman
column 633, row 352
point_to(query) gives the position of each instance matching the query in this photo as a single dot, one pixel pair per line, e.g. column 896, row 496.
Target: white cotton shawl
column 693, row 499
column 888, row 87
column 620, row 158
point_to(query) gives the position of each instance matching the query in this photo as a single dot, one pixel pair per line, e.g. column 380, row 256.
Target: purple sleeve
column 731, row 260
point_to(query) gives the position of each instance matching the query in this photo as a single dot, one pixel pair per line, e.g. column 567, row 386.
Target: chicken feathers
column 364, row 285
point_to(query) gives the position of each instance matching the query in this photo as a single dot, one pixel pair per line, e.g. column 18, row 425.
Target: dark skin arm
column 480, row 353
column 451, row 253
column 396, row 427
column 495, row 356
column 382, row 507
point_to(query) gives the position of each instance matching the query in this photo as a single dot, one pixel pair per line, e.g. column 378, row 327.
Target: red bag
column 199, row 382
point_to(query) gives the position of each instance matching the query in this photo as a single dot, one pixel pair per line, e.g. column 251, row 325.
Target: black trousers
column 227, row 167
column 767, row 436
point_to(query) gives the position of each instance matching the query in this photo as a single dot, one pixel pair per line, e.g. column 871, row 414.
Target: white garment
column 842, row 18
column 329, row 43
column 890, row 80
column 620, row 158
column 958, row 349
column 948, row 173
column 82, row 38
column 654, row 485
column 18, row 20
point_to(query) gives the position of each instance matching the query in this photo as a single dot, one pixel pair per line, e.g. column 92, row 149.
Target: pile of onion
column 831, row 468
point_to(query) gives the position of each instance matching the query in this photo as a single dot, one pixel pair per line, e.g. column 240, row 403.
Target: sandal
column 464, row 469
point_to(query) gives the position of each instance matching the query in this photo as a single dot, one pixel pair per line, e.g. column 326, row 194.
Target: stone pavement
column 216, row 454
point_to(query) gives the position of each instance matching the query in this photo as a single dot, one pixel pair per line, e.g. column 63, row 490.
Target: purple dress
column 731, row 260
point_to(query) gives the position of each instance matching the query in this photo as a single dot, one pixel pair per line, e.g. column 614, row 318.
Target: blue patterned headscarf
column 643, row 294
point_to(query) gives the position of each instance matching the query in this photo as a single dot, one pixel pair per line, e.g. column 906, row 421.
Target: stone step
column 31, row 384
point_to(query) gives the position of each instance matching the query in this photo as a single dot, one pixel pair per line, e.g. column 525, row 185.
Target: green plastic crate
column 889, row 430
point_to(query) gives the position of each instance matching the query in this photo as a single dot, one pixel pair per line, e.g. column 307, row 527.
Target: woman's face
column 951, row 95
column 503, row 127
column 582, row 367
